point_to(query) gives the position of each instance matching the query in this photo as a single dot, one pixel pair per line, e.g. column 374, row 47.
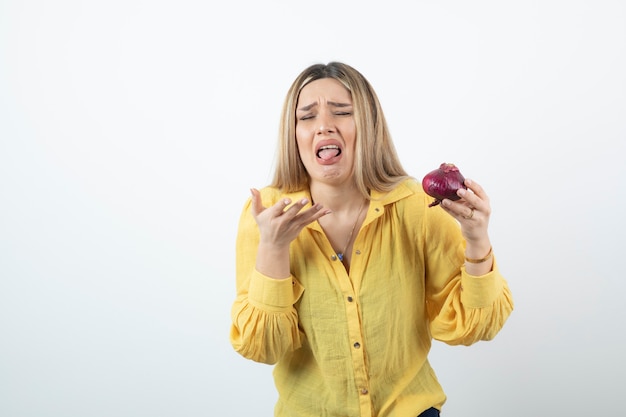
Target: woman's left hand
column 472, row 211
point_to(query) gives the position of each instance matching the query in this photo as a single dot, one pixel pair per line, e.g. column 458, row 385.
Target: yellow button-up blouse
column 356, row 344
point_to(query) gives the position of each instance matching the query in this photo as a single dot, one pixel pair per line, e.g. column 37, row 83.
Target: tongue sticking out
column 327, row 154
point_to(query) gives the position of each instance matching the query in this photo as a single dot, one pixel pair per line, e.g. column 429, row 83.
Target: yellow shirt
column 356, row 344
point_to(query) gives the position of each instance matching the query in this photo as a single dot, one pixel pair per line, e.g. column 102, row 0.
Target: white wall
column 131, row 131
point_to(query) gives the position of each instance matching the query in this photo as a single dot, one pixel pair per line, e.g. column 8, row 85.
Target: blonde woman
column 345, row 275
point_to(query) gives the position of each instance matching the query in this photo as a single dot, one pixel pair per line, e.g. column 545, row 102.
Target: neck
column 338, row 199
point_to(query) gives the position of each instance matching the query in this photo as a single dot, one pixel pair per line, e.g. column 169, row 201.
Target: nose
column 326, row 126
column 324, row 129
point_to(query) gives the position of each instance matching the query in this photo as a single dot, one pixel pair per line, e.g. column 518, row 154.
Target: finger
column 278, row 209
column 469, row 215
column 258, row 207
column 471, row 200
column 302, row 217
column 476, row 188
column 257, row 204
column 314, row 213
column 296, row 207
column 307, row 216
column 455, row 208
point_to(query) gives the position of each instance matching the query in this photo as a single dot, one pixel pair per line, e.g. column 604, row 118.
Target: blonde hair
column 377, row 166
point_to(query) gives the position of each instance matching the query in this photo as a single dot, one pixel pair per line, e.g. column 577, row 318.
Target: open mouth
column 328, row 152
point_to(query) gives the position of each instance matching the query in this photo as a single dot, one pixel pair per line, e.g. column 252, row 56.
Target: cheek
column 350, row 135
column 302, row 137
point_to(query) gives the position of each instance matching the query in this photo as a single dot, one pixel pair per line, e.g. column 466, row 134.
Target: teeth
column 323, row 148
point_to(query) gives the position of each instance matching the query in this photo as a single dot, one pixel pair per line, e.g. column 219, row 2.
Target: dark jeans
column 431, row 412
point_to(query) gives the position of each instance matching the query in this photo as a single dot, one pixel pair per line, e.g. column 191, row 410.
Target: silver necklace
column 340, row 255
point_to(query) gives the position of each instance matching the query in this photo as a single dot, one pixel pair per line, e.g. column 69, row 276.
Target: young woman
column 344, row 272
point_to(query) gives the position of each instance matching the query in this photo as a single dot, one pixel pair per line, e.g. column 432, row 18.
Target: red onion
column 443, row 182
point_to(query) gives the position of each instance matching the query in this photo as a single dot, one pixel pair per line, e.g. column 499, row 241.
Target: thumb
column 257, row 204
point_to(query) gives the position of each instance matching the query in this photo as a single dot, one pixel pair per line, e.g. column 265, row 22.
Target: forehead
column 325, row 89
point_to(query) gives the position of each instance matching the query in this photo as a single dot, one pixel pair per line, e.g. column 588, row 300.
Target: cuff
column 481, row 291
column 275, row 295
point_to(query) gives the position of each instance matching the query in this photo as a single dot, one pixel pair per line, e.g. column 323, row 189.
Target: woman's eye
column 343, row 113
column 306, row 117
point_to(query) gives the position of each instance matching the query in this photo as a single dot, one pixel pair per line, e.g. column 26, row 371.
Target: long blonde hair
column 377, row 166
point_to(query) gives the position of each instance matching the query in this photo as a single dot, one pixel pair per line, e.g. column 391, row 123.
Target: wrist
column 481, row 259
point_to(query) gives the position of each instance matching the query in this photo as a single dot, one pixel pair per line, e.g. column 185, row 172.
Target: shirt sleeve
column 264, row 320
column 463, row 309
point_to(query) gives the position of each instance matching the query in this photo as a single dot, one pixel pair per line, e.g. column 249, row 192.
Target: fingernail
column 462, row 192
column 304, row 201
column 286, row 201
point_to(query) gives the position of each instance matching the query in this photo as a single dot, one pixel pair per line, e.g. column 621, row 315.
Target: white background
column 131, row 132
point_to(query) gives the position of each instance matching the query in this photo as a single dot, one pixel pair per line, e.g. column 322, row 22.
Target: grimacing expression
column 326, row 130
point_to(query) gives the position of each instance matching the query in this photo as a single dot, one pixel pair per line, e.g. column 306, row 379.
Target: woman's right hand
column 278, row 228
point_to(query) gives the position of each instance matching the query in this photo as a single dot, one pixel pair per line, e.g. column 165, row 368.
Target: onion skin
column 443, row 182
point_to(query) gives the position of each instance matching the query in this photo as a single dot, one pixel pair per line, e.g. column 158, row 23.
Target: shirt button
column 333, row 257
column 357, row 345
column 358, row 252
column 364, row 391
column 350, row 298
column 377, row 209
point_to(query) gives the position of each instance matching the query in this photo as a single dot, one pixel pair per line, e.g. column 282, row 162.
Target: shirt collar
column 377, row 203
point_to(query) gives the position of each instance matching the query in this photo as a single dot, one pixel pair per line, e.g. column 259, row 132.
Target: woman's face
column 325, row 131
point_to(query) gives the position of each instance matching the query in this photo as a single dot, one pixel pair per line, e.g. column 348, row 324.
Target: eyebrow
column 330, row 103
